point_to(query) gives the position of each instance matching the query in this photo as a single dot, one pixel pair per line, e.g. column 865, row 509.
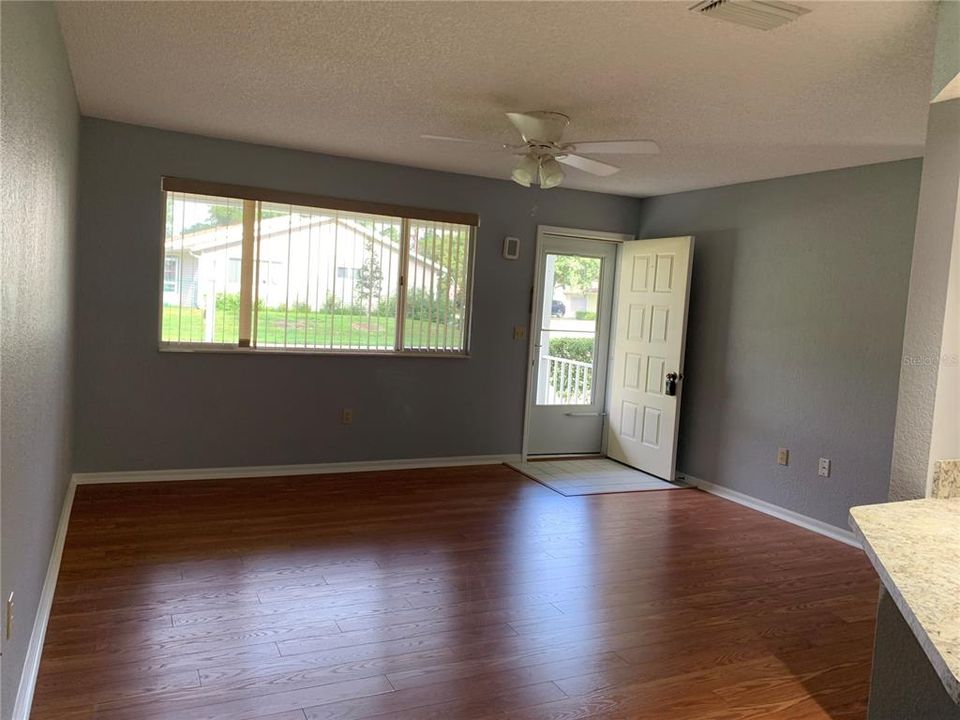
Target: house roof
column 223, row 236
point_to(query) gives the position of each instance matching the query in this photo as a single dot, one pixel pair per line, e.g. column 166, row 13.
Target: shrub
column 331, row 304
column 568, row 348
column 228, row 301
column 572, row 348
column 421, row 305
column 387, row 308
column 586, row 315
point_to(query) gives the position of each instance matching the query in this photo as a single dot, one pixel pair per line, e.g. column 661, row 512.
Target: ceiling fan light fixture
column 539, row 159
column 526, row 171
column 551, row 174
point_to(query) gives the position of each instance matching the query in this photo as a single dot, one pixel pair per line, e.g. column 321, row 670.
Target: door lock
column 671, row 385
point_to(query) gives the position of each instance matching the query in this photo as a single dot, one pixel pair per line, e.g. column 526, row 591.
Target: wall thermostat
column 511, row 248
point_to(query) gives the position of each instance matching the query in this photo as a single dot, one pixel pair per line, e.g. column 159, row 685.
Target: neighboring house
column 577, row 300
column 303, row 258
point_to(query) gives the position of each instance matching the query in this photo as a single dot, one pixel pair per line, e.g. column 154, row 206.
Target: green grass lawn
column 308, row 329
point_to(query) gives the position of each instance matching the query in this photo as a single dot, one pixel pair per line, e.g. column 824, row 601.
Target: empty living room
column 455, row 360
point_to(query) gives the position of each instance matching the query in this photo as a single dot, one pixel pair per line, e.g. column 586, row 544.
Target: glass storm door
column 571, row 326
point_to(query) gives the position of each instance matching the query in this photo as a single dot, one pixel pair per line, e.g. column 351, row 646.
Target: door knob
column 671, row 385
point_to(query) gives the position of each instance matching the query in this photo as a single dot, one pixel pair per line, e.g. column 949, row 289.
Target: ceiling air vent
column 757, row 14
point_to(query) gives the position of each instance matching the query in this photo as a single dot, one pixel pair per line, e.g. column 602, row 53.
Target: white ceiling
column 846, row 84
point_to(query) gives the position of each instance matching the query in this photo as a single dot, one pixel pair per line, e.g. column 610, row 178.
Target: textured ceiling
column 846, row 84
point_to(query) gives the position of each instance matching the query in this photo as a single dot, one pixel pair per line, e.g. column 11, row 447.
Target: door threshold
column 566, row 456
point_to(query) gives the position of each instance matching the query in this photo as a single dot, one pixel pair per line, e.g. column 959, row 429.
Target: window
column 171, row 268
column 233, row 275
column 264, row 270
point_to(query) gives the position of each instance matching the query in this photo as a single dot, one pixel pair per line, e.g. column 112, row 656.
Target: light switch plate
column 783, row 456
column 823, row 469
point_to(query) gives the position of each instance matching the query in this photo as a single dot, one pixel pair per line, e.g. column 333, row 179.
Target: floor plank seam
column 511, row 601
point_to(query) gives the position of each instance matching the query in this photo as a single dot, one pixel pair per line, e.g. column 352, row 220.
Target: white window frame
column 176, row 273
column 404, row 214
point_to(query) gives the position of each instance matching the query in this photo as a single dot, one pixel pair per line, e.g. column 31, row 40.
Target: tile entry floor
column 591, row 476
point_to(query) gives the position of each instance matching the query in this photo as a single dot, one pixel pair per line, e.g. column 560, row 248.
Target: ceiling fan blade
column 620, row 147
column 594, row 167
column 466, row 141
column 479, row 144
column 539, row 126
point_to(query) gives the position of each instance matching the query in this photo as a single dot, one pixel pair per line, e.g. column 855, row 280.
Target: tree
column 369, row 279
column 575, row 272
column 222, row 215
column 218, row 216
column 170, row 217
column 449, row 253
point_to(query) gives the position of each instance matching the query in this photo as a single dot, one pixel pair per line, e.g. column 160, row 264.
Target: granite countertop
column 915, row 548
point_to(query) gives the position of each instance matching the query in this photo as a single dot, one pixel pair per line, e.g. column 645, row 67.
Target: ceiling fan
column 543, row 149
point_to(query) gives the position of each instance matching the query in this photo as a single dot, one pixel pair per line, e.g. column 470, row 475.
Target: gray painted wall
column 904, row 684
column 137, row 408
column 911, row 467
column 39, row 159
column 946, row 52
column 796, row 322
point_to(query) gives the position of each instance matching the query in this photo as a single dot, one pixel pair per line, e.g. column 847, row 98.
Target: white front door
column 651, row 322
column 571, row 327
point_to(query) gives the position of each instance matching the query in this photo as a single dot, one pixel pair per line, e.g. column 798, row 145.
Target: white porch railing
column 564, row 382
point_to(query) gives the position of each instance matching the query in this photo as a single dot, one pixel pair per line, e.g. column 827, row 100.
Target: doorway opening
column 570, row 334
column 607, row 342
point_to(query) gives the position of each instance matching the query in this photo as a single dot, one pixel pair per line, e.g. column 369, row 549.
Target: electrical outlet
column 346, row 416
column 823, row 469
column 783, row 456
column 519, row 332
column 8, row 625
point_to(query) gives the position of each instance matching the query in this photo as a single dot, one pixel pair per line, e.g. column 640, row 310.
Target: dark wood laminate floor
column 447, row 594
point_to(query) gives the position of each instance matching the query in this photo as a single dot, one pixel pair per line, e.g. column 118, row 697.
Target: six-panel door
column 648, row 344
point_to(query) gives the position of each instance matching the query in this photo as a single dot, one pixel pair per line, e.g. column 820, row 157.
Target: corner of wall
column 925, row 330
column 40, row 157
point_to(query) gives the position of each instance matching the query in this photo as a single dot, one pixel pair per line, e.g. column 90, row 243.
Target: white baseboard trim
column 31, row 664
column 253, row 471
column 804, row 521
